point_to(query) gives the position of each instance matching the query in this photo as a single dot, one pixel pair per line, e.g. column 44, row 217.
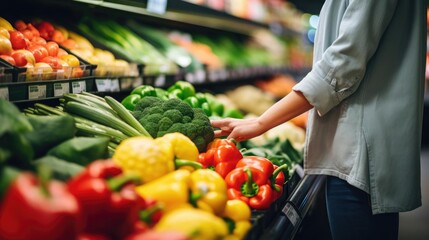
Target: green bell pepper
column 130, row 101
column 182, row 89
column 144, row 91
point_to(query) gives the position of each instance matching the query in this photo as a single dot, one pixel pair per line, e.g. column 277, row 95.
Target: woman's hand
column 238, row 129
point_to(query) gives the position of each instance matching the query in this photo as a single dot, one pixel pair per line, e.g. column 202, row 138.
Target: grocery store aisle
column 414, row 225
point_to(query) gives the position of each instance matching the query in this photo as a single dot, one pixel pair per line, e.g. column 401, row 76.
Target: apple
column 46, row 30
column 18, row 40
column 28, row 34
column 54, row 62
column 38, row 51
column 71, row 60
column 5, row 46
column 40, row 70
column 23, row 57
column 70, row 44
column 20, row 25
column 38, row 41
column 62, row 52
column 58, row 37
column 52, row 48
column 4, row 32
column 33, row 30
column 8, row 58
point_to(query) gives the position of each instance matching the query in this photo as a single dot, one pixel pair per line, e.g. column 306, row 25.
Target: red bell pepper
column 110, row 206
column 222, row 155
column 250, row 185
column 277, row 178
column 35, row 209
column 256, row 181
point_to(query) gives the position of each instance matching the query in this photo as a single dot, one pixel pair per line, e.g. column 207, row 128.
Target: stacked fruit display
column 30, row 46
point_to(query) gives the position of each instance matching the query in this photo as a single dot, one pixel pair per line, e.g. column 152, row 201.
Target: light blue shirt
column 367, row 89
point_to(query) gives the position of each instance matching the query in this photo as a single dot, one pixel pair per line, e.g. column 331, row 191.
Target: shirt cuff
column 319, row 93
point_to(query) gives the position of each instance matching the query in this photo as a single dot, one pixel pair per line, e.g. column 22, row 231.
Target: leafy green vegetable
column 81, row 150
column 60, row 169
column 14, row 147
column 49, row 131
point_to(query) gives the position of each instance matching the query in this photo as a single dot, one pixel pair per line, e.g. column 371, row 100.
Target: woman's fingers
column 221, row 133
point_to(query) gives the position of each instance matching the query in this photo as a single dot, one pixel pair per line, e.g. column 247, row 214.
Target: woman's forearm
column 290, row 106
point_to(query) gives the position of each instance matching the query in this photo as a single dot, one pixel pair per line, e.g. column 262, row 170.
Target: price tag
column 103, row 85
column 78, row 86
column 4, row 93
column 137, row 82
column 157, row 6
column 61, row 89
column 160, row 81
column 114, row 85
column 291, row 214
column 36, row 92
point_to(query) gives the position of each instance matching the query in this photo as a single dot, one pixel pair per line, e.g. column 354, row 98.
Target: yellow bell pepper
column 183, row 149
column 195, row 223
column 152, row 158
column 170, row 191
column 239, row 212
column 208, row 190
column 146, row 157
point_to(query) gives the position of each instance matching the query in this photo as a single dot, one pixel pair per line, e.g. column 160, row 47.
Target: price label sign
column 78, row 86
column 114, row 85
column 157, row 6
column 61, row 89
column 103, row 85
column 291, row 214
column 160, row 81
column 4, row 93
column 36, row 92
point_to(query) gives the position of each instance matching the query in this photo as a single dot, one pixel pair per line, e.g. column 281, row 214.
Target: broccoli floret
column 146, row 102
column 185, row 109
column 174, row 115
column 170, row 104
column 186, row 119
column 160, row 117
column 165, row 124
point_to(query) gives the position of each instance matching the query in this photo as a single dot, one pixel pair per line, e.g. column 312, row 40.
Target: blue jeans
column 350, row 215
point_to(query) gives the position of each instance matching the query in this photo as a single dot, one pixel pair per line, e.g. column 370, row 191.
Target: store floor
column 414, row 225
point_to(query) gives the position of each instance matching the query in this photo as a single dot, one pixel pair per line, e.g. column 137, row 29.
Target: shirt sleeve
column 342, row 66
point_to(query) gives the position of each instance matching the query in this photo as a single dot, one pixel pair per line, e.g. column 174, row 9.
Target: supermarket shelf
column 177, row 12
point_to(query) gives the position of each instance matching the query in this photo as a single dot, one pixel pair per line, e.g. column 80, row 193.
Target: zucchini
column 101, row 117
column 126, row 115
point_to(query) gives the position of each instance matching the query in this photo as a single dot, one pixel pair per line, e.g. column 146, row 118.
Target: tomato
column 71, row 60
column 77, row 72
column 5, row 46
column 38, row 51
column 23, row 58
column 17, row 39
column 8, row 59
column 53, row 48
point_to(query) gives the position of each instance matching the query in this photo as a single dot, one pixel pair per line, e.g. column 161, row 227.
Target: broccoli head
column 160, row 117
